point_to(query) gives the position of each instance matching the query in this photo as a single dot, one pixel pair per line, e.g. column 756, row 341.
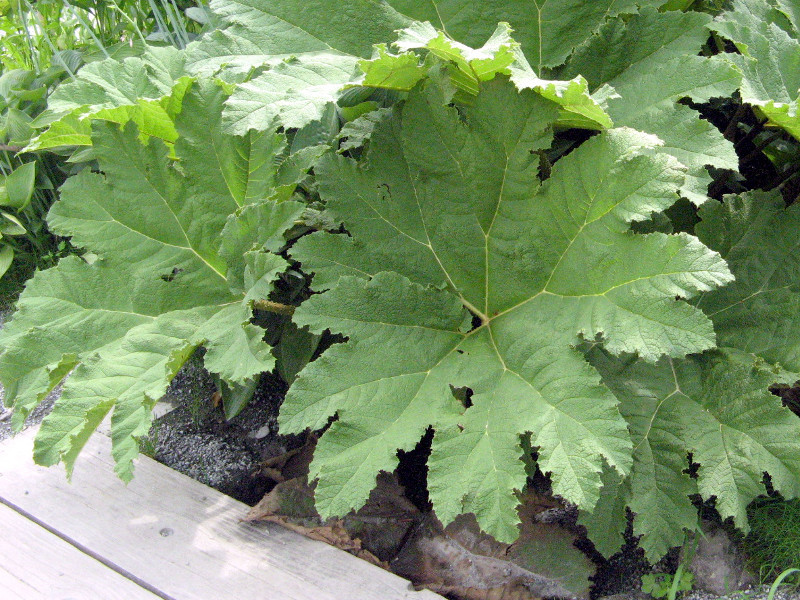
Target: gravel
column 757, row 593
column 195, row 439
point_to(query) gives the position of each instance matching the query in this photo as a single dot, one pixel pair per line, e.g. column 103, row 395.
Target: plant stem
column 754, row 131
column 471, row 308
column 274, row 307
column 127, row 17
column 730, row 130
column 779, row 580
column 88, row 29
column 759, row 147
column 676, row 582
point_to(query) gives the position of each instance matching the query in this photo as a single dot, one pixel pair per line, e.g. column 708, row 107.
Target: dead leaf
column 384, row 522
column 548, row 549
column 333, row 534
column 289, row 499
column 291, row 505
column 291, row 464
column 460, row 561
column 273, row 474
column 376, row 533
column 436, row 560
column 468, row 564
column 512, row 591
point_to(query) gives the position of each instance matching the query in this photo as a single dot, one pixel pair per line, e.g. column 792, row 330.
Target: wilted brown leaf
column 512, row 591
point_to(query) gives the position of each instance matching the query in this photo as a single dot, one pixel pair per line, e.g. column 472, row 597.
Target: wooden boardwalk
column 162, row 536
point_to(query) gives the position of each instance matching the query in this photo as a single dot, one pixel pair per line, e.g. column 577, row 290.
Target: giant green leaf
column 110, row 83
column 145, row 90
column 757, row 235
column 650, row 59
column 262, row 32
column 323, row 44
column 769, row 58
column 159, row 287
column 469, row 67
column 453, row 202
column 67, row 130
column 255, row 33
column 651, row 62
column 716, row 407
column 292, row 94
column 547, row 29
column 669, row 408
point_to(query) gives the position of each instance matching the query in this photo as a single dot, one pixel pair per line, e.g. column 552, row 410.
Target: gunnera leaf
column 717, row 407
column 651, row 61
column 146, row 90
column 766, row 38
column 548, row 29
column 448, row 225
column 627, row 63
column 306, row 61
column 757, row 234
column 254, row 33
column 468, row 67
column 292, row 94
column 159, row 287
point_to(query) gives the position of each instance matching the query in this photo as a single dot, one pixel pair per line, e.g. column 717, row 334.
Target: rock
column 717, row 565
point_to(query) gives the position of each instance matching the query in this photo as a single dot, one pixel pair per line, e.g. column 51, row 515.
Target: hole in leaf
column 694, row 468
column 463, row 395
column 384, row 191
column 476, row 322
column 412, row 472
column 789, row 394
column 172, row 275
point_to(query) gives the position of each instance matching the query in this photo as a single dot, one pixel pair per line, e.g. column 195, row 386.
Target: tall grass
column 773, row 544
column 43, row 43
column 33, row 33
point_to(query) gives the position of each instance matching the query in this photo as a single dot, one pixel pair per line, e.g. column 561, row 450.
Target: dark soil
column 196, row 440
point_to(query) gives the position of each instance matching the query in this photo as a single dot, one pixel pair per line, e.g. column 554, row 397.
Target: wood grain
column 183, row 538
column 37, row 565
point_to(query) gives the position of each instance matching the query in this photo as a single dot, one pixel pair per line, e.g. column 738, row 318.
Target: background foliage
column 45, row 44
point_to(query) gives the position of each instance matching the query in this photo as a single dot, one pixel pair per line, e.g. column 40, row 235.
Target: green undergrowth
column 44, row 44
column 773, row 544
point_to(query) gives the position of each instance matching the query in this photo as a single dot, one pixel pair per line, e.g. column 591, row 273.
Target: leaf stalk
column 274, row 307
column 471, row 308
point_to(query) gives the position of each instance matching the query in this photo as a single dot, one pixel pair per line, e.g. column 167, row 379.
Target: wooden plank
column 181, row 537
column 37, row 565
